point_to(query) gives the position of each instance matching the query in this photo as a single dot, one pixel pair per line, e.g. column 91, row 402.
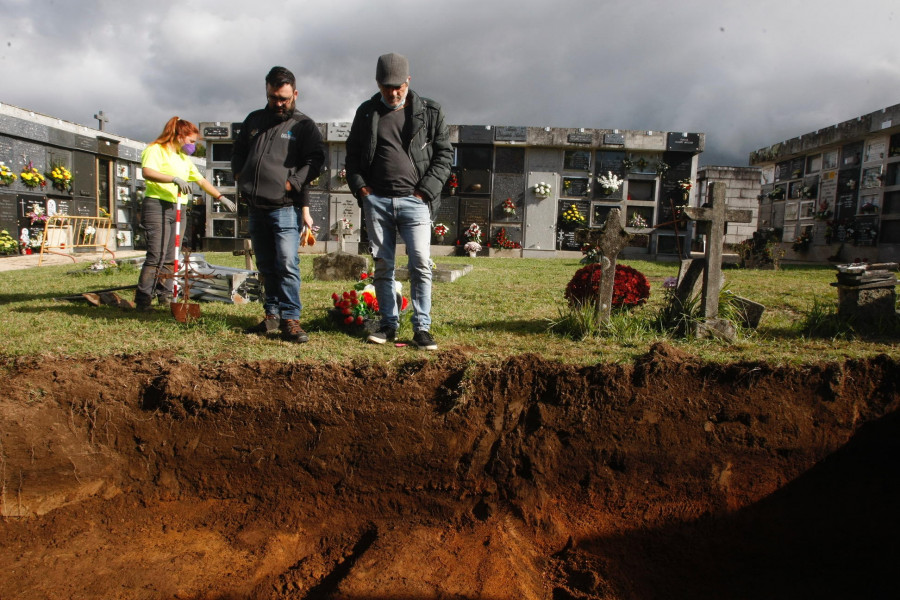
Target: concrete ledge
column 441, row 273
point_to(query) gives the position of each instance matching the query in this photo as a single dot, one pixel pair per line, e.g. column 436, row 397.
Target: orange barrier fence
column 63, row 234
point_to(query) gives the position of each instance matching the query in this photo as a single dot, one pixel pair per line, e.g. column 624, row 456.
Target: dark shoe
column 383, row 335
column 164, row 300
column 144, row 308
column 292, row 332
column 424, row 341
column 269, row 325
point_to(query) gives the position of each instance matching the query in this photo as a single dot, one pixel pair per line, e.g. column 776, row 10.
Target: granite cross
column 101, row 119
column 609, row 241
column 715, row 217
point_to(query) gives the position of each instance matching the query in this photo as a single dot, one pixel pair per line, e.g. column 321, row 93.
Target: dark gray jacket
column 269, row 152
column 429, row 146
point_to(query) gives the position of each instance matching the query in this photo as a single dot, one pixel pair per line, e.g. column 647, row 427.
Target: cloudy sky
column 748, row 74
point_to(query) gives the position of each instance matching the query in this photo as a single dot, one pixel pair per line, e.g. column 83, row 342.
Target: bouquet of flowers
column 637, row 220
column 542, row 189
column 7, row 244
column 440, row 230
column 472, row 247
column 37, row 214
column 6, row 176
column 609, row 182
column 342, row 175
column 31, row 177
column 630, row 286
column 509, row 207
column 473, row 234
column 685, row 185
column 61, row 177
column 342, row 226
column 358, row 305
column 573, row 217
column 504, row 242
column 453, row 183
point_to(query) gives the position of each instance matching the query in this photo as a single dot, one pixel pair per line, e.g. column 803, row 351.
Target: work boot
column 383, row 335
column 423, row 340
column 267, row 326
column 292, row 332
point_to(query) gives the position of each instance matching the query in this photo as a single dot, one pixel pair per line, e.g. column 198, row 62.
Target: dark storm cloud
column 746, row 75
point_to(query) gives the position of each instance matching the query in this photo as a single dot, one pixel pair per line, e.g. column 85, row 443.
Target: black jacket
column 269, row 152
column 429, row 147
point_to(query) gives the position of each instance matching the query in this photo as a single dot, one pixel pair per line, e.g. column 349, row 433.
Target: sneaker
column 292, row 332
column 267, row 326
column 424, row 341
column 383, row 335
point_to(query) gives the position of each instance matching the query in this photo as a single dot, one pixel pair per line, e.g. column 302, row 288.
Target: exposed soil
column 150, row 477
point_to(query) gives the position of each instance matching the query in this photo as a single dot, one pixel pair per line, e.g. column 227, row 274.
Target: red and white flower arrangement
column 356, row 306
column 630, row 286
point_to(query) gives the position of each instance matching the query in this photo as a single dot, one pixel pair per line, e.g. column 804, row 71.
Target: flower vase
column 473, row 254
column 453, row 191
column 439, row 238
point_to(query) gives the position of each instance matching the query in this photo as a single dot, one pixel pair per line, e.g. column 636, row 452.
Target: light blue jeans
column 411, row 218
column 276, row 240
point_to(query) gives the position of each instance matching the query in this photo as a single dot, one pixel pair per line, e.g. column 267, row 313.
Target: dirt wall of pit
column 450, row 478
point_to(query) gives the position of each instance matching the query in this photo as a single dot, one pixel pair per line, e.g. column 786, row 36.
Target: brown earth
column 151, row 477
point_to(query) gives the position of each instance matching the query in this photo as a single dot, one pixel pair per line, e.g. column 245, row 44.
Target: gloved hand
column 229, row 204
column 183, row 186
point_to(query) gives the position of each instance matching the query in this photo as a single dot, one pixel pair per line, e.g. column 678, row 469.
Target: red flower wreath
column 630, row 287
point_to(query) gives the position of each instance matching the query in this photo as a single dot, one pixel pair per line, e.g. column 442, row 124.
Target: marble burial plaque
column 88, row 144
column 510, row 134
column 540, row 214
column 614, row 139
column 447, row 214
column 60, row 137
column 8, row 216
column 599, row 212
column 683, row 142
column 25, row 129
column 337, row 132
column 318, row 210
column 577, row 160
column 851, row 155
column 565, row 234
column 580, row 138
column 344, row 206
column 84, row 207
column 476, row 134
column 576, row 187
column 611, row 162
column 509, row 186
column 513, row 234
column 474, row 210
column 783, row 171
column 509, row 160
column 215, row 131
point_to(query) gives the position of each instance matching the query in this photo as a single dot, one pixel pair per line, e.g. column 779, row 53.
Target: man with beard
column 278, row 151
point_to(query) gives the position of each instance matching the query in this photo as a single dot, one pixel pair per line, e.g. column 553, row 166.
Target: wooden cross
column 715, row 217
column 609, row 241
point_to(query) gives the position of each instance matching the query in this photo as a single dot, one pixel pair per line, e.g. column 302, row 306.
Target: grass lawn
column 502, row 308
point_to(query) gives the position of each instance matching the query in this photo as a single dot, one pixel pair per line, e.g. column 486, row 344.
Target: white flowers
column 609, row 182
column 342, row 226
column 542, row 189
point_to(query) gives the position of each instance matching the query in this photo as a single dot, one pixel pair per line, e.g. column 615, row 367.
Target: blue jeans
column 411, row 217
column 158, row 221
column 276, row 241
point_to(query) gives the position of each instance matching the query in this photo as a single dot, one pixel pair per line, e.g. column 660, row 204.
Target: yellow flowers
column 6, row 176
column 31, row 177
column 573, row 216
column 61, row 177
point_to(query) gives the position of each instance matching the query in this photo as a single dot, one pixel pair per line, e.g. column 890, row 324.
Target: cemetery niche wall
column 68, row 169
column 834, row 194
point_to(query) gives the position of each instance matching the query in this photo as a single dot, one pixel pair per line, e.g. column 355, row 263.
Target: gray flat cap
column 392, row 70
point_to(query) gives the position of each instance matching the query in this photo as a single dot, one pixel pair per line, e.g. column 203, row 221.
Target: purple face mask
column 189, row 149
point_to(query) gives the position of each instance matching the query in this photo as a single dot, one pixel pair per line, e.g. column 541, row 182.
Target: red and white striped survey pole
column 175, row 287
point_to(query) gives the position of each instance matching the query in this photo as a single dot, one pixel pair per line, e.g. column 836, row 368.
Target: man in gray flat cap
column 398, row 159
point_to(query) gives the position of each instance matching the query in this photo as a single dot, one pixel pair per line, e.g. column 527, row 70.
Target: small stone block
column 441, row 273
column 339, row 266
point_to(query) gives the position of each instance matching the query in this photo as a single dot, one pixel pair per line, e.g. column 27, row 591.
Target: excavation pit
column 152, row 477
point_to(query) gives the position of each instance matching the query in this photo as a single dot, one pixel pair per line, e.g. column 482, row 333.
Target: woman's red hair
column 174, row 129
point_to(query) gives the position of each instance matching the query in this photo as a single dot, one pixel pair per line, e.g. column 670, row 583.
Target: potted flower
column 609, row 183
column 61, row 178
column 440, row 230
column 342, row 176
column 7, row 244
column 777, row 194
column 509, row 207
column 6, row 176
column 685, row 185
column 472, row 248
column 452, row 184
column 542, row 190
column 572, row 218
column 637, row 221
column 31, row 178
column 473, row 233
